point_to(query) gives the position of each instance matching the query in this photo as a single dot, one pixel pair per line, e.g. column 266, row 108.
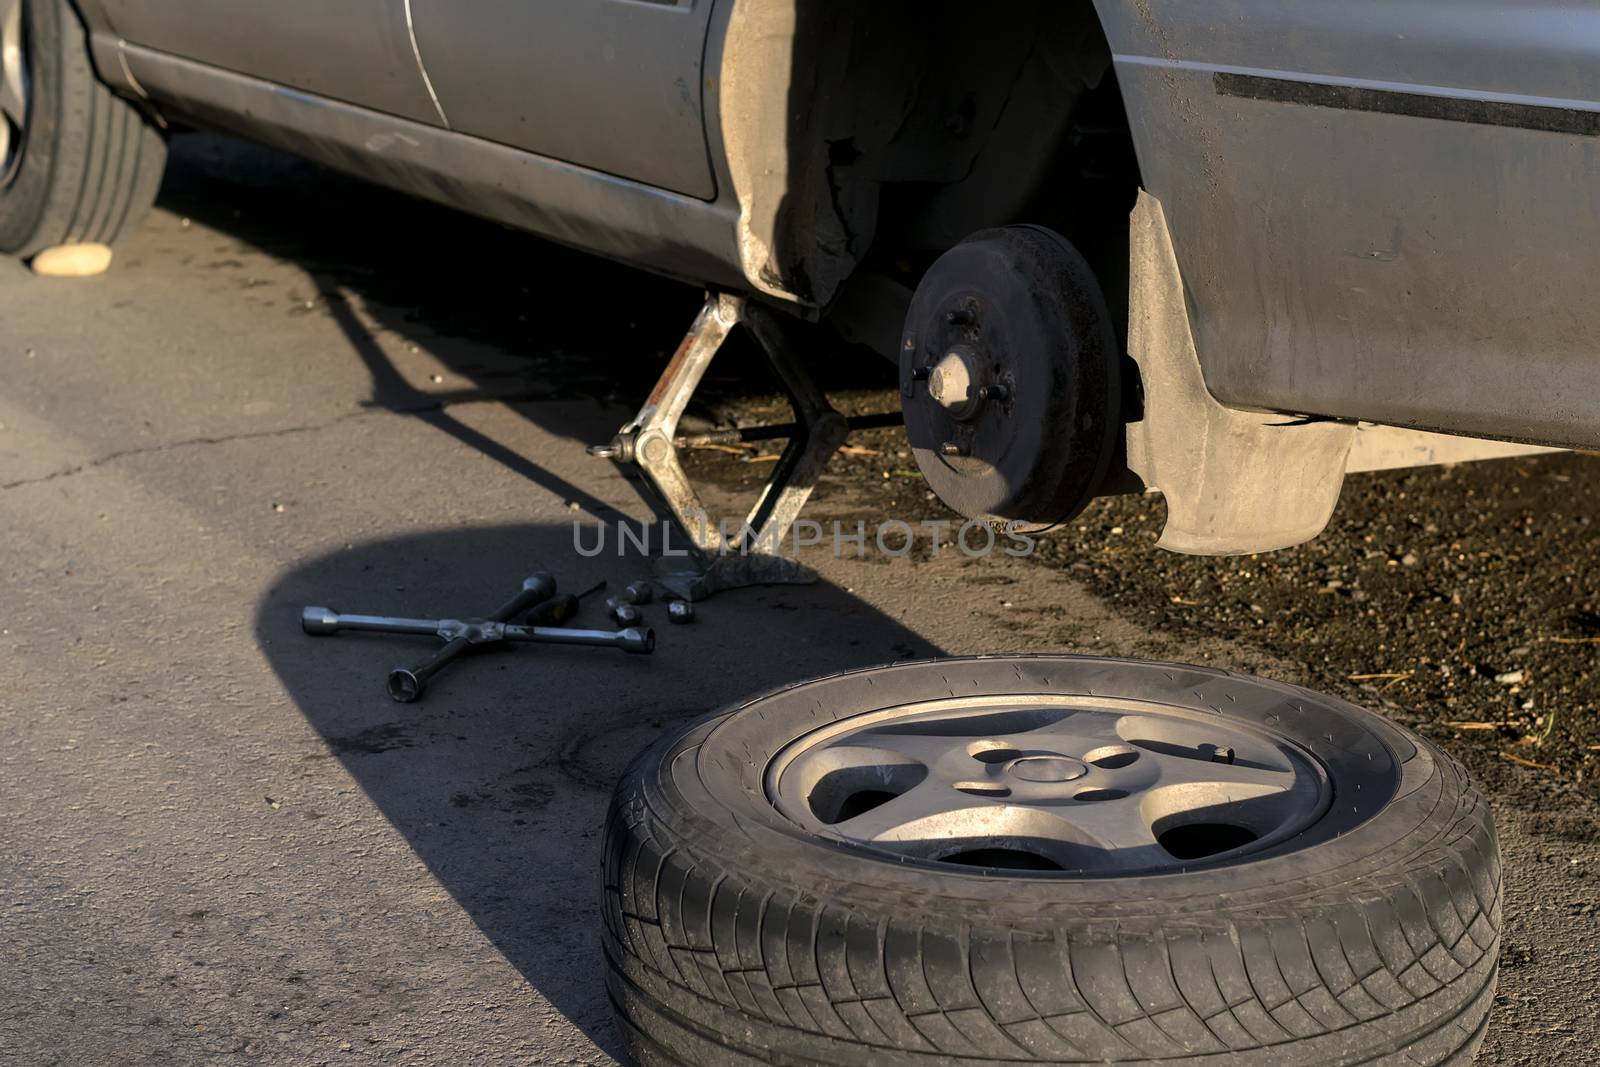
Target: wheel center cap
column 1047, row 769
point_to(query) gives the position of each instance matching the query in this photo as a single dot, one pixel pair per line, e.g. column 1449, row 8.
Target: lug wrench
column 462, row 635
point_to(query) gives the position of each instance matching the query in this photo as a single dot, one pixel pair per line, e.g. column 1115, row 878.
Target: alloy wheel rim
column 1050, row 785
column 15, row 88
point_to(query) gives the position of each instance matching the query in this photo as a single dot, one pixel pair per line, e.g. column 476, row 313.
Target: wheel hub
column 1008, row 377
column 15, row 88
column 959, row 383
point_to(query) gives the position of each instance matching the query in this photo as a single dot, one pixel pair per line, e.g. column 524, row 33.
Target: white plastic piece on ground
column 72, row 261
column 1382, row 448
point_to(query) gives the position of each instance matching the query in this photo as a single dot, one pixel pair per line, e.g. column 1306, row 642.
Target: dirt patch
column 1462, row 601
column 371, row 741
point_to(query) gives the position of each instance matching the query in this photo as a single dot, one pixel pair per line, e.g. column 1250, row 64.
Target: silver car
column 1344, row 216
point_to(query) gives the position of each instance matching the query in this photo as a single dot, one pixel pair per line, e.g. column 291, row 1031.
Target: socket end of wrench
column 404, row 686
column 319, row 621
column 638, row 639
column 541, row 583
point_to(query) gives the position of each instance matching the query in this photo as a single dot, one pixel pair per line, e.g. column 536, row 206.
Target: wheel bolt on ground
column 623, row 612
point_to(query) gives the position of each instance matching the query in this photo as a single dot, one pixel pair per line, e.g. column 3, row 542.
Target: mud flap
column 1235, row 482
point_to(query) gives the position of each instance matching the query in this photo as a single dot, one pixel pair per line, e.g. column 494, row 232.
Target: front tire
column 735, row 934
column 81, row 163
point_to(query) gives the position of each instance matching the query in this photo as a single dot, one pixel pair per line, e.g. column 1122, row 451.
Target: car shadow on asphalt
column 562, row 323
column 520, row 320
column 498, row 779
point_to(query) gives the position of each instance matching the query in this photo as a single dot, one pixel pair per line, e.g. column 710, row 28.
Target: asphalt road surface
column 220, row 841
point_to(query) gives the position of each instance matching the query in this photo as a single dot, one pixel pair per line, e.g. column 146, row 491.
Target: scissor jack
column 719, row 560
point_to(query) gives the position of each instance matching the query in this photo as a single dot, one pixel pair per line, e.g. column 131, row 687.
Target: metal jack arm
column 464, row 635
column 649, row 442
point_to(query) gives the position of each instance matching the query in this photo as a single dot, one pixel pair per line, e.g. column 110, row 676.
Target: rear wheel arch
column 904, row 129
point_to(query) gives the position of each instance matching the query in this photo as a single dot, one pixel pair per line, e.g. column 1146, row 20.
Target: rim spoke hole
column 983, row 789
column 1204, row 751
column 1111, row 757
column 850, row 791
column 1006, row 859
column 861, row 803
column 992, row 752
column 1189, row 741
column 1100, row 794
column 1199, row 840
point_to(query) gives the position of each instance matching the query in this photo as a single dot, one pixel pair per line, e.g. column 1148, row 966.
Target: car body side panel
column 615, row 85
column 1385, row 210
column 666, row 232
column 356, row 51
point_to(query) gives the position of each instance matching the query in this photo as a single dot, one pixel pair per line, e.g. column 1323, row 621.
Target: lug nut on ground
column 623, row 612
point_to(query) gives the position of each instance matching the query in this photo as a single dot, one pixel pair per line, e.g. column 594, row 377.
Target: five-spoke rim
column 14, row 88
column 1050, row 784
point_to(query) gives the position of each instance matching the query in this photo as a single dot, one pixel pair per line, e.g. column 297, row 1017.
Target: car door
column 356, row 51
column 1383, row 209
column 613, row 85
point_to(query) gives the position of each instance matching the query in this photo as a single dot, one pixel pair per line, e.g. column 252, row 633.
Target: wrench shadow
column 498, row 779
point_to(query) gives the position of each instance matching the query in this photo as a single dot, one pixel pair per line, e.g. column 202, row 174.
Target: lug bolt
column 1222, row 754
column 680, row 611
column 950, row 448
column 994, row 392
column 622, row 611
column 921, row 374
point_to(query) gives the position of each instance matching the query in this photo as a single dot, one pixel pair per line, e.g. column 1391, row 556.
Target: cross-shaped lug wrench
column 462, row 635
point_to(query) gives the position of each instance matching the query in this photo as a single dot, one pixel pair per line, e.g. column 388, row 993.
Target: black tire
column 732, row 937
column 92, row 161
